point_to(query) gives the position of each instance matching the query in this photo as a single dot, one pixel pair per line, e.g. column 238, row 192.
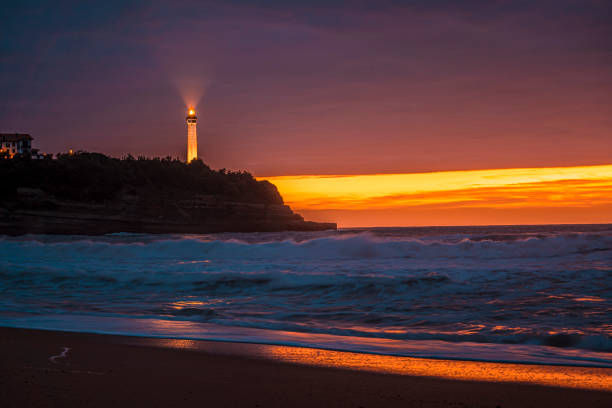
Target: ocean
column 530, row 294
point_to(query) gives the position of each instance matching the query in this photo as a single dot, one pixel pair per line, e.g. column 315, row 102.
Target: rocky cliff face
column 90, row 193
column 33, row 211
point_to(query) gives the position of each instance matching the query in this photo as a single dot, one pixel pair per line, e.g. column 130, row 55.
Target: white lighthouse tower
column 192, row 136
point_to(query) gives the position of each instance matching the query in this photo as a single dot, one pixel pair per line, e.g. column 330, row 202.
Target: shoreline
column 428, row 349
column 261, row 343
column 273, row 375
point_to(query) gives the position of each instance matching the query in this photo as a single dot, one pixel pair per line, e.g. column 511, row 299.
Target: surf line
column 63, row 354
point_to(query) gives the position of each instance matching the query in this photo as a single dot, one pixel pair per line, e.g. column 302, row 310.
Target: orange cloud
column 506, row 196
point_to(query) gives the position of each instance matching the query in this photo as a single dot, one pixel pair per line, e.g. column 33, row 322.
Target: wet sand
column 46, row 368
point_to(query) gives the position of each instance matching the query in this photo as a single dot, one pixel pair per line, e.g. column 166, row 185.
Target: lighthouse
column 192, row 136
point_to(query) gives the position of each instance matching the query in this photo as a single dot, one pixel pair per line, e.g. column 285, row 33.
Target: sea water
column 538, row 294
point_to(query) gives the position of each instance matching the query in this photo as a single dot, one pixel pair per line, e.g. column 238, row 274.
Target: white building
column 15, row 143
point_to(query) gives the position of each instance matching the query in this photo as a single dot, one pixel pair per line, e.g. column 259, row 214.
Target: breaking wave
column 363, row 245
column 541, row 286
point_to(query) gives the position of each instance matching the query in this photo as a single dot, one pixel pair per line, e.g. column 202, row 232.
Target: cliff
column 89, row 193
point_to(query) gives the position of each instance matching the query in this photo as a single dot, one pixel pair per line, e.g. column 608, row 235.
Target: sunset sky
column 420, row 91
column 477, row 197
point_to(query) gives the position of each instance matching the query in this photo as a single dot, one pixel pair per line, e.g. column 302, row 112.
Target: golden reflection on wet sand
column 592, row 378
column 558, row 376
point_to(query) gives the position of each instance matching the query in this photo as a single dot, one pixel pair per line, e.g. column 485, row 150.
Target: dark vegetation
column 94, row 177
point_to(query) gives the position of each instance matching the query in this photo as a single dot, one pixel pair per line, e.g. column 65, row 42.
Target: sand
column 46, row 368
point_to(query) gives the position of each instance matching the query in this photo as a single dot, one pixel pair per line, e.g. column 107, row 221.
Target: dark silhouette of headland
column 92, row 194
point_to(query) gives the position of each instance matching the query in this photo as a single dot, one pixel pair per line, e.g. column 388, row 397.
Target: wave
column 536, row 288
column 355, row 246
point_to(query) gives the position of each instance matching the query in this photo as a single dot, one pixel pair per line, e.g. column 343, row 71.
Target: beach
column 49, row 368
column 511, row 316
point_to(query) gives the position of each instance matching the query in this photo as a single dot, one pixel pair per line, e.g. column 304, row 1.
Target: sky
column 562, row 195
column 295, row 88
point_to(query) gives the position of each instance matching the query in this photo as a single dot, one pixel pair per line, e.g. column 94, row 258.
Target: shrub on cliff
column 90, row 177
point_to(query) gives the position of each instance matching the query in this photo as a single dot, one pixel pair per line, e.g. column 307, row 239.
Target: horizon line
column 324, row 175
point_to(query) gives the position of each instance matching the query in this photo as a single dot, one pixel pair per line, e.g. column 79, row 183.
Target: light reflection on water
column 557, row 376
column 423, row 349
column 518, row 294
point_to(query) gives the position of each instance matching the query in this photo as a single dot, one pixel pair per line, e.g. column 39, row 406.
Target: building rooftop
column 14, row 137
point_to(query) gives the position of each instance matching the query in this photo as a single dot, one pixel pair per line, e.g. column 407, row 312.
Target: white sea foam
column 63, row 354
